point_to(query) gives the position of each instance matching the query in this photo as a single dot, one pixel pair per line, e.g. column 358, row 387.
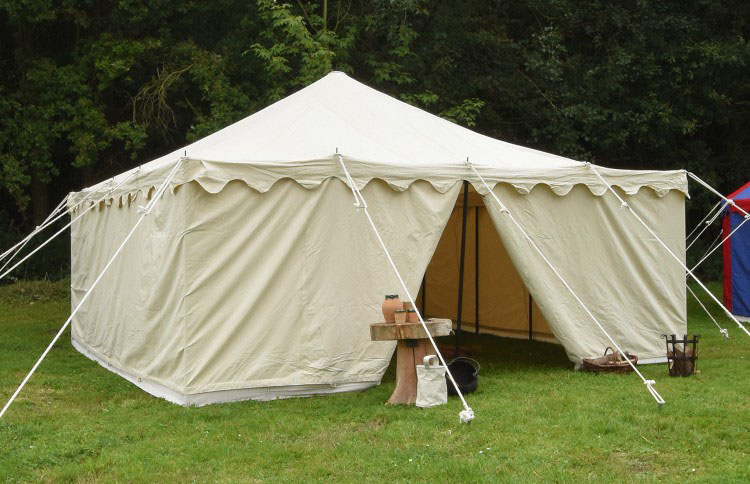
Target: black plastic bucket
column 466, row 373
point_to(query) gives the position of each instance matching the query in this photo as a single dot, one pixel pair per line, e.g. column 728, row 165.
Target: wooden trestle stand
column 413, row 345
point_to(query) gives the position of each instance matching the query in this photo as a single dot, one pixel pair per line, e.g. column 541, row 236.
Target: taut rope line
column 144, row 212
column 503, row 209
column 467, row 415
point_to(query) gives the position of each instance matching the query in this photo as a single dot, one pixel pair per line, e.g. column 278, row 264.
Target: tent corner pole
column 461, row 268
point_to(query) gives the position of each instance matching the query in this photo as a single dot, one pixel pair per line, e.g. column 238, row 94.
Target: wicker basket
column 610, row 362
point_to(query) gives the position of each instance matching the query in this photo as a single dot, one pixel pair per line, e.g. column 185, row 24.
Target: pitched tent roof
column 297, row 137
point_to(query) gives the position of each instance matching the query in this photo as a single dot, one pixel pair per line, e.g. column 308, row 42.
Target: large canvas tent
column 255, row 277
column 737, row 254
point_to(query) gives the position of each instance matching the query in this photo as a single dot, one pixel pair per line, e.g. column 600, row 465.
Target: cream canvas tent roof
column 391, row 140
column 254, row 277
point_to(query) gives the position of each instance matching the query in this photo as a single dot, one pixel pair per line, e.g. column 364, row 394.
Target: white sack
column 432, row 389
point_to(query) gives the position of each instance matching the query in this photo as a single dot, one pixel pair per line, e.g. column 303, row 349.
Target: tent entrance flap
column 492, row 295
column 509, row 292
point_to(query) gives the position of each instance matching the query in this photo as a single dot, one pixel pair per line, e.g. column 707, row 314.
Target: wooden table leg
column 407, row 359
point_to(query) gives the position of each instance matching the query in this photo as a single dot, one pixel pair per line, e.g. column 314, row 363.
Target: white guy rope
column 723, row 331
column 43, row 225
column 83, row 212
column 145, row 211
column 704, row 219
column 710, row 248
column 624, row 205
column 467, row 415
column 706, row 226
column 714, row 191
column 503, row 209
column 51, row 218
column 707, row 255
column 11, row 254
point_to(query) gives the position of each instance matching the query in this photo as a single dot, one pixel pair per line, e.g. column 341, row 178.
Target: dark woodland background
column 91, row 88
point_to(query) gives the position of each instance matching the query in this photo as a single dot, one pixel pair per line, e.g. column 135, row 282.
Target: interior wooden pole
column 461, row 268
column 531, row 318
column 476, row 269
column 424, row 292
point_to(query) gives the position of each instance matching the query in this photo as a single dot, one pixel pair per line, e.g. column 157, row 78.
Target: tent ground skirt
column 224, row 396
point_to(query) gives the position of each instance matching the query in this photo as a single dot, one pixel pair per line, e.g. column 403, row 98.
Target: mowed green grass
column 536, row 420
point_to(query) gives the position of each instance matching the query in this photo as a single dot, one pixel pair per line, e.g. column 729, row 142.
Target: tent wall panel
column 254, row 290
column 133, row 320
column 619, row 271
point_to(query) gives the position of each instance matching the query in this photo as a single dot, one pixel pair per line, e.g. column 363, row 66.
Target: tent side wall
column 623, row 275
column 242, row 294
column 283, row 285
column 133, row 320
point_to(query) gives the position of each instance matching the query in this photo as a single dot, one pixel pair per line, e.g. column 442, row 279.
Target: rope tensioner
column 708, row 223
column 720, row 244
column 704, row 219
column 57, row 213
column 467, row 414
column 715, row 192
column 654, row 393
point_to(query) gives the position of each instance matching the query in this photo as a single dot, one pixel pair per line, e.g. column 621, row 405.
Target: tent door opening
column 472, row 280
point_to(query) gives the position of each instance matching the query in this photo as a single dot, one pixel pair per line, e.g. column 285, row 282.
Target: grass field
column 537, row 420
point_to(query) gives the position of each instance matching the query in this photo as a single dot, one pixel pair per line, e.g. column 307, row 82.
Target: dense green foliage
column 91, row 88
column 537, row 420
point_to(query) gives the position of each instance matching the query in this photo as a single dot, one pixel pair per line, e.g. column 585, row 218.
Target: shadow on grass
column 497, row 353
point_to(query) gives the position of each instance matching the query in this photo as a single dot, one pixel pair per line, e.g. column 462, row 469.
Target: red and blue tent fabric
column 737, row 255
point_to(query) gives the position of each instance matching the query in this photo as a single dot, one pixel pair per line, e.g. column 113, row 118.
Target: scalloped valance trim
column 213, row 176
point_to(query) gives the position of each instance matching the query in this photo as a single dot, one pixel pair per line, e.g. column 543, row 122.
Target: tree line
column 91, row 88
